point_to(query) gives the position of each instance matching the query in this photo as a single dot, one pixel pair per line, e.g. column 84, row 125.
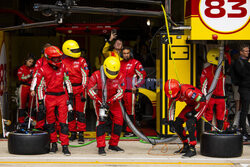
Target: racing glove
column 190, row 114
column 105, row 105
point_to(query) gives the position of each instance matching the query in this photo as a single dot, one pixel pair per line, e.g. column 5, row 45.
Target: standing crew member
column 53, row 77
column 40, row 119
column 78, row 74
column 192, row 112
column 218, row 97
column 118, row 45
column 106, row 87
column 242, row 70
column 24, row 74
column 135, row 77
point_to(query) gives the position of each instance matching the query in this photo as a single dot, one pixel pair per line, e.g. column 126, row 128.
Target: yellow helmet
column 213, row 56
column 71, row 49
column 111, row 67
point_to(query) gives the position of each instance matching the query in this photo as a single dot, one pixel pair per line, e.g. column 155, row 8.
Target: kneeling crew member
column 106, row 87
column 192, row 112
column 53, row 76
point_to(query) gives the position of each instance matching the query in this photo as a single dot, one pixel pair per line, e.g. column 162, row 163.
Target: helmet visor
column 56, row 59
column 112, row 72
column 75, row 50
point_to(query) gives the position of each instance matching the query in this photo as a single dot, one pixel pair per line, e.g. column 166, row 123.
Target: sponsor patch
column 58, row 73
column 141, row 69
column 193, row 95
column 76, row 62
column 198, row 98
column 170, row 92
column 122, row 84
column 85, row 68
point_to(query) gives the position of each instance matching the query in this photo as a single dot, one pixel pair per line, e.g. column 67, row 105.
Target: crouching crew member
column 192, row 112
column 135, row 77
column 218, row 96
column 106, row 87
column 53, row 77
column 24, row 74
column 78, row 74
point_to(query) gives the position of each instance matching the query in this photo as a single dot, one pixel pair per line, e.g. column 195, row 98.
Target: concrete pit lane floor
column 136, row 154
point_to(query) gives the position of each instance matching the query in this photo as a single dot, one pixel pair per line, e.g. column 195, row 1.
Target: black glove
column 83, row 99
column 171, row 126
column 190, row 114
column 41, row 107
column 71, row 99
column 105, row 105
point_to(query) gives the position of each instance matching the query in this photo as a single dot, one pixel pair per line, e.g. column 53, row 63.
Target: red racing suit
column 78, row 75
column 55, row 99
column 135, row 77
column 25, row 77
column 196, row 102
column 115, row 89
column 40, row 119
column 218, row 97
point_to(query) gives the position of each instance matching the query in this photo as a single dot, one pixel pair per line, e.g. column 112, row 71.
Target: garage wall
column 18, row 48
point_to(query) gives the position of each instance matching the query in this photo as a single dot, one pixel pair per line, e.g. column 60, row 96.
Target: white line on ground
column 110, row 158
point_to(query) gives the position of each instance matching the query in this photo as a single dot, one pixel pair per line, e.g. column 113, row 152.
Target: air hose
column 94, row 140
column 152, row 141
column 141, row 136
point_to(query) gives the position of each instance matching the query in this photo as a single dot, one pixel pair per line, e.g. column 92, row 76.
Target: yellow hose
column 170, row 44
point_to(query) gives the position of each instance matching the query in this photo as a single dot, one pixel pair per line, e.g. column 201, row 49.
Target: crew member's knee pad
column 191, row 123
column 220, row 124
column 64, row 128
column 51, row 128
column 178, row 123
column 81, row 117
column 71, row 116
column 117, row 129
column 100, row 130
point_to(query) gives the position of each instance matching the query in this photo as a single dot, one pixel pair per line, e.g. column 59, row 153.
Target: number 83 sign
column 225, row 16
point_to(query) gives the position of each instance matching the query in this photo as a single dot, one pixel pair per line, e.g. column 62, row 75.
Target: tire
column 215, row 144
column 32, row 143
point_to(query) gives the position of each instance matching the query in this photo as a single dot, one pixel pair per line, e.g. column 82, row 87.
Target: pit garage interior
column 89, row 30
column 27, row 25
column 141, row 32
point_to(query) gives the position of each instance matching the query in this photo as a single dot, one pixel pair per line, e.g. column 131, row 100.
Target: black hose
column 141, row 135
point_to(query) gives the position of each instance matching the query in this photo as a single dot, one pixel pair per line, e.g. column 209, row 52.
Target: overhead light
column 148, row 22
